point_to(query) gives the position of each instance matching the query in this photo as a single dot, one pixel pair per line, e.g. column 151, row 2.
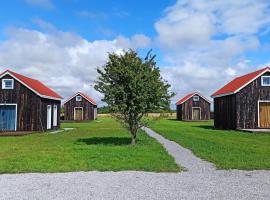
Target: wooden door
column 7, row 118
column 78, row 114
column 196, row 113
column 49, row 117
column 264, row 114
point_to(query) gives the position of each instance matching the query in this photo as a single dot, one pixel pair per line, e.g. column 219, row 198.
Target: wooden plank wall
column 225, row 112
column 30, row 107
column 187, row 109
column 88, row 109
column 179, row 112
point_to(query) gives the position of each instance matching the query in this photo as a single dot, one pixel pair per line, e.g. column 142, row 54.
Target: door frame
column 50, row 117
column 200, row 112
column 75, row 112
column 16, row 107
column 258, row 109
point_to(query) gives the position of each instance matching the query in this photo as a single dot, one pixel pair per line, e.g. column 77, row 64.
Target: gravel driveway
column 200, row 181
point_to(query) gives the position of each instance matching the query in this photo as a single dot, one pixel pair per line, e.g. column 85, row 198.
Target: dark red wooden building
column 244, row 103
column 80, row 107
column 27, row 104
column 193, row 106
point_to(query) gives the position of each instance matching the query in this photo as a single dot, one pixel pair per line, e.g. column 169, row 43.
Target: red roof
column 85, row 96
column 238, row 83
column 187, row 97
column 35, row 85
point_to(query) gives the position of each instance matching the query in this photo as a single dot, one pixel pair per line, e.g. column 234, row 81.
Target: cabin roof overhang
column 14, row 75
column 247, row 79
column 86, row 97
column 187, row 97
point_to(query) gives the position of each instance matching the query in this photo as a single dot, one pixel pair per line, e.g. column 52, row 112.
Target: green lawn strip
column 101, row 145
column 226, row 149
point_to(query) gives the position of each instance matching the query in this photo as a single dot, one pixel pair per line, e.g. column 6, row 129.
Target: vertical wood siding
column 88, row 109
column 185, row 110
column 31, row 112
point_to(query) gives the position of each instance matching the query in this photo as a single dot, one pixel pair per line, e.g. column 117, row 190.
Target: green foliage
column 226, row 149
column 103, row 110
column 132, row 87
column 101, row 145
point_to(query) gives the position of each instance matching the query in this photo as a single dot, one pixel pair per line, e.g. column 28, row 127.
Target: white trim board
column 43, row 96
column 78, row 93
column 16, row 106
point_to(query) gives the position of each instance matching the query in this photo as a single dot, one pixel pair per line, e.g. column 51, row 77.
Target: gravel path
column 200, row 181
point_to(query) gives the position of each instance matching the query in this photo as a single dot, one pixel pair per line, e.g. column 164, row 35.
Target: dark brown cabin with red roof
column 27, row 104
column 80, row 107
column 193, row 107
column 244, row 103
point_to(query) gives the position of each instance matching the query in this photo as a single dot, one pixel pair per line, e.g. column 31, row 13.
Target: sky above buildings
column 200, row 44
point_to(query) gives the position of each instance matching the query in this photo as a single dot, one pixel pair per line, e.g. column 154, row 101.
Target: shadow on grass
column 208, row 127
column 105, row 141
column 173, row 119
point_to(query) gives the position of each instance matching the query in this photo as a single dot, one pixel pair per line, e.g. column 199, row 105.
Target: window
column 265, row 81
column 195, row 98
column 78, row 98
column 7, row 83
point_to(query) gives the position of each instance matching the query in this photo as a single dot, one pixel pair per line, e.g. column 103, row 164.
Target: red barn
column 193, row 106
column 80, row 107
column 27, row 104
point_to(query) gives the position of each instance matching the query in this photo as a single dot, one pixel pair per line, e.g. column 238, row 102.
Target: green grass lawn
column 101, row 145
column 226, row 149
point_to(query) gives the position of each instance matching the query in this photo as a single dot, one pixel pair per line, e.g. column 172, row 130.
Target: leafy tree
column 132, row 87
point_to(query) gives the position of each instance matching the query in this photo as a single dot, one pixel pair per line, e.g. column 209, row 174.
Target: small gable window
column 78, row 98
column 7, row 84
column 195, row 98
column 265, row 81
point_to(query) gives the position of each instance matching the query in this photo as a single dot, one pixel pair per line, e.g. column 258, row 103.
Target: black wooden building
column 27, row 105
column 80, row 107
column 194, row 107
column 244, row 103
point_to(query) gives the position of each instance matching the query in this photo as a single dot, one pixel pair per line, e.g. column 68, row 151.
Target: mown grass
column 101, row 145
column 226, row 149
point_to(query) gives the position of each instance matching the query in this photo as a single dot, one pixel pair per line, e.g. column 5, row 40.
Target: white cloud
column 41, row 3
column 136, row 41
column 204, row 42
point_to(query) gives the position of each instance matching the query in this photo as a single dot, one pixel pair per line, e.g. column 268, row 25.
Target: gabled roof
column 188, row 96
column 86, row 97
column 239, row 83
column 34, row 85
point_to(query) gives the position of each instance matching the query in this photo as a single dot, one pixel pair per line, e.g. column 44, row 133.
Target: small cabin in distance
column 80, row 107
column 193, row 107
column 244, row 103
column 27, row 104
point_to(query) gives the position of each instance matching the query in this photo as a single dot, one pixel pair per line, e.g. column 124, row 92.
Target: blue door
column 7, row 117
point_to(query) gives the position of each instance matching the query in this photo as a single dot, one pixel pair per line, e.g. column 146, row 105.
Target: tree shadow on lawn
column 208, row 127
column 105, row 141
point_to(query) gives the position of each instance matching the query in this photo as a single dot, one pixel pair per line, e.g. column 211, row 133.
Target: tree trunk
column 133, row 137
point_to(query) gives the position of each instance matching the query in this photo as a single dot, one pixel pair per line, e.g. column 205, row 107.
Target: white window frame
column 262, row 84
column 55, row 110
column 4, row 84
column 196, row 98
column 78, row 98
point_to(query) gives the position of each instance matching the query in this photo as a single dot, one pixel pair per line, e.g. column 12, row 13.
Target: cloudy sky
column 200, row 44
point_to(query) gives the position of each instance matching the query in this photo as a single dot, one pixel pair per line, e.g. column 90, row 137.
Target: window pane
column 266, row 80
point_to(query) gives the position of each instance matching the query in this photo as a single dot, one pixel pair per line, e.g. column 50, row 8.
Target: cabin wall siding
column 88, row 109
column 225, row 112
column 185, row 109
column 31, row 115
column 179, row 112
column 240, row 111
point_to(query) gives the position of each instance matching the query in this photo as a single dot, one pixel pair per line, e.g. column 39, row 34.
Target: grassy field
column 226, row 149
column 101, row 145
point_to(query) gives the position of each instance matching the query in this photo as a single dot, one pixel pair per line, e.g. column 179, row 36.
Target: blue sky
column 200, row 44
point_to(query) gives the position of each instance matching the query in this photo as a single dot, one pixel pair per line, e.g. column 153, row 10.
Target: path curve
column 183, row 157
